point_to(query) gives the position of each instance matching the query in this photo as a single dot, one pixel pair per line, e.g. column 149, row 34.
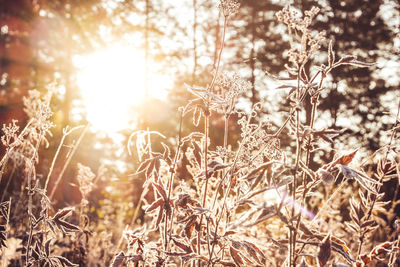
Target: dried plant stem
column 225, row 195
column 380, row 180
column 219, row 54
column 66, row 132
column 68, row 161
column 136, row 212
column 291, row 113
column 203, row 203
column 226, row 129
column 293, row 232
column 308, row 151
column 32, row 172
column 312, row 122
column 171, row 180
column 206, row 128
column 179, row 145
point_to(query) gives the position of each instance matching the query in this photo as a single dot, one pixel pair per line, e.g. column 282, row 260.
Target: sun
column 112, row 81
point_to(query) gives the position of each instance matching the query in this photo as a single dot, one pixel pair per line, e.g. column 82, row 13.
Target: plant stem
column 308, row 149
column 206, row 125
column 66, row 132
column 68, row 161
column 293, row 233
column 32, row 172
column 171, row 180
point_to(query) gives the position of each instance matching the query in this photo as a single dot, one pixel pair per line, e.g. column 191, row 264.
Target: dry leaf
column 345, row 160
column 325, row 251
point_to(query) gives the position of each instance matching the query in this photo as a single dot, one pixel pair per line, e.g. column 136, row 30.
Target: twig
column 68, row 161
column 66, row 132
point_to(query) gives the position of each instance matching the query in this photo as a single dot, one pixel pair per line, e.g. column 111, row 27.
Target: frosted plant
column 257, row 145
column 85, row 179
column 300, row 53
column 229, row 87
column 229, row 7
column 37, row 108
column 10, row 131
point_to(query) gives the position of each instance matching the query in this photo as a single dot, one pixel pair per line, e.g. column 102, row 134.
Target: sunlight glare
column 112, row 81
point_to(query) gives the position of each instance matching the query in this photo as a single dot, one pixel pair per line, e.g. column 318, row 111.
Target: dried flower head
column 229, row 87
column 229, row 7
column 85, row 179
column 34, row 134
column 310, row 42
column 10, row 136
column 37, row 106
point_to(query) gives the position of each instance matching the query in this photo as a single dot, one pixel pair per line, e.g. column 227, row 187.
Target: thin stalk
column 68, row 161
column 308, row 151
column 312, row 120
column 206, row 126
column 171, row 180
column 32, row 172
column 226, row 126
column 226, row 194
column 293, row 233
column 66, row 132
column 230, row 169
column 220, row 53
column 136, row 212
column 194, row 41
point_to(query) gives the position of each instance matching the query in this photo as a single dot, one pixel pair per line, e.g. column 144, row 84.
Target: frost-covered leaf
column 181, row 244
column 61, row 214
column 325, row 251
column 118, row 259
column 360, row 177
column 160, row 189
column 65, row 262
column 157, row 203
column 236, row 256
column 196, row 116
column 345, row 159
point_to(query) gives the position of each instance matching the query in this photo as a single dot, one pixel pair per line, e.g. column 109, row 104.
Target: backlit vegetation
column 252, row 200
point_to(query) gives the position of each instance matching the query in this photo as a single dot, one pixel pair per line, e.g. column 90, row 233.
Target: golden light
column 112, row 81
